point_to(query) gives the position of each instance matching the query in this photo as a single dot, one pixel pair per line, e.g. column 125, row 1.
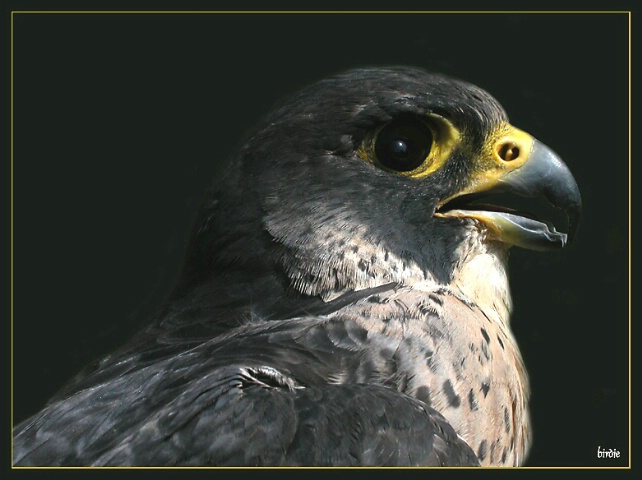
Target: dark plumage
column 341, row 302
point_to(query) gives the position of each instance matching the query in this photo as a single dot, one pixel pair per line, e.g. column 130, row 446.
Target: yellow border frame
column 301, row 12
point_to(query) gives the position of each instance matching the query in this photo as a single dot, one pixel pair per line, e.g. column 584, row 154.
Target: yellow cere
column 505, row 150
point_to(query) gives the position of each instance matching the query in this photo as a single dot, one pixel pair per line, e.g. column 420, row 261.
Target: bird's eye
column 403, row 144
column 413, row 146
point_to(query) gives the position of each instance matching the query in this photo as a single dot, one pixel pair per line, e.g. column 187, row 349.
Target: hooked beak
column 515, row 162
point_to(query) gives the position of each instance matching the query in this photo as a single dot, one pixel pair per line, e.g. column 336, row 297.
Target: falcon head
column 378, row 175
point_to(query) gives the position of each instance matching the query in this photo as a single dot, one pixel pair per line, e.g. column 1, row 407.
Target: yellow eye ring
column 411, row 145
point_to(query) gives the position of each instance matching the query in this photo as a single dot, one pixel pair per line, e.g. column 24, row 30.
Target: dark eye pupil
column 403, row 144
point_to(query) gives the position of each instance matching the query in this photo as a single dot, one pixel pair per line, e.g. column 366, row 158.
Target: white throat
column 481, row 276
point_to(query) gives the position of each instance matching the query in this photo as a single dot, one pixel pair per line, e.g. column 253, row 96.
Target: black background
column 121, row 121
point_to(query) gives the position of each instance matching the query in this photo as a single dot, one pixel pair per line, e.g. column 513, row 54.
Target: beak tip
column 547, row 174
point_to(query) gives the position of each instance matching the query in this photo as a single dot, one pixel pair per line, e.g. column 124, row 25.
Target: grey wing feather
column 239, row 416
column 261, row 395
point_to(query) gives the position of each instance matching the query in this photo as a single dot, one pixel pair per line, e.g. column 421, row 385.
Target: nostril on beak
column 508, row 151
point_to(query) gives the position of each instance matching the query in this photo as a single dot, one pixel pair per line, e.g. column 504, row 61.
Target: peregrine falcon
column 344, row 299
